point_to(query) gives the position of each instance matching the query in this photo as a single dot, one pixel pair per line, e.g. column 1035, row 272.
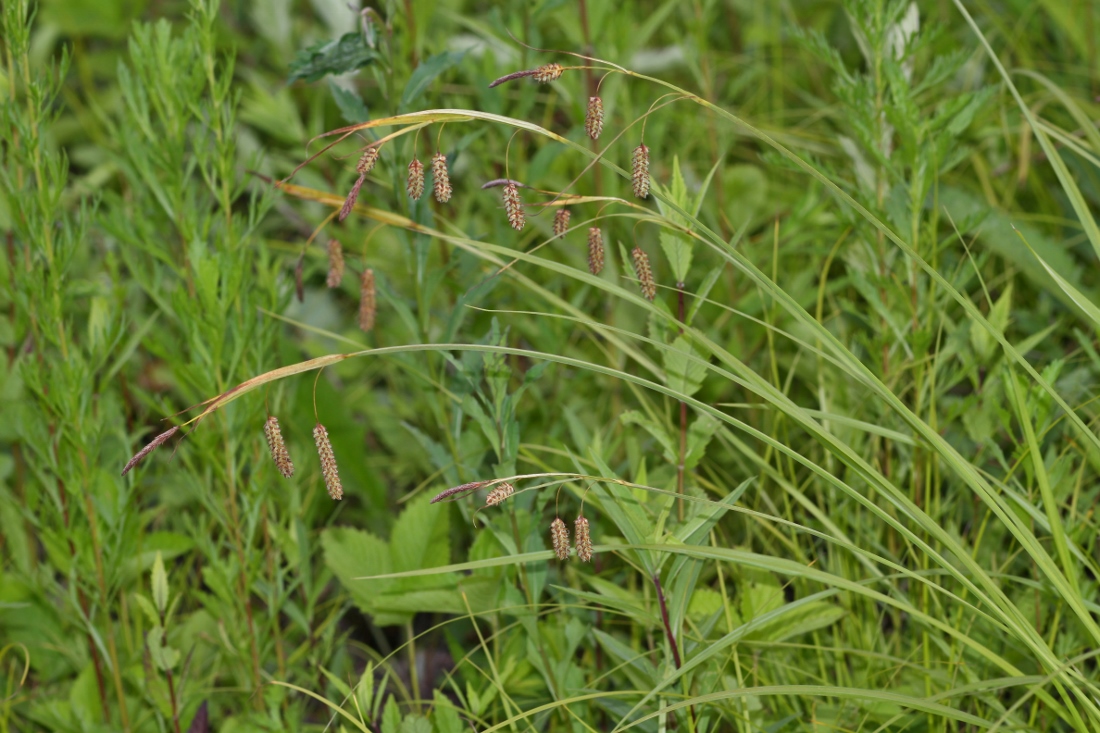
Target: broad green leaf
column 445, row 715
column 684, row 367
column 699, row 434
column 391, row 716
column 347, row 53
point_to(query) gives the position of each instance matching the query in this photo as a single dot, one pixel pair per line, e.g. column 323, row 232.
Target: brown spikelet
column 583, row 539
column 499, row 493
column 513, row 206
column 559, row 537
column 593, row 118
column 415, row 185
column 441, row 180
column 335, row 263
column 353, row 196
column 595, row 250
column 366, row 300
column 328, row 463
column 472, row 486
column 547, row 73
column 561, row 221
column 277, row 446
column 152, row 446
column 640, row 172
column 644, row 273
column 367, row 161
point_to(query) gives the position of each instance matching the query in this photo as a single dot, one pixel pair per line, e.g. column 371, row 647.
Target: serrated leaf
column 704, row 603
column 446, row 716
column 391, row 717
column 351, row 553
column 147, row 608
column 347, row 53
column 420, row 537
column 698, row 437
column 160, row 585
column 351, row 105
column 426, row 73
column 685, row 372
column 164, row 657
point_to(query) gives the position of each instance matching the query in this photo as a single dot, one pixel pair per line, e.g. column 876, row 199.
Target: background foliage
column 886, row 355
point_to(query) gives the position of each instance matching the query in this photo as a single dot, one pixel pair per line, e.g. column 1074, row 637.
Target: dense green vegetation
column 840, row 473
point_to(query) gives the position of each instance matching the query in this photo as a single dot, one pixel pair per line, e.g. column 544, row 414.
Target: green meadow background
column 841, row 473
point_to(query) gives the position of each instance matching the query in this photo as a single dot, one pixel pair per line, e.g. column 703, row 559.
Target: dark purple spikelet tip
column 152, row 446
column 353, row 196
column 464, row 488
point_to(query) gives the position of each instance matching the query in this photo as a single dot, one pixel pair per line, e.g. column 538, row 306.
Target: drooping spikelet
column 547, row 73
column 513, row 207
column 644, row 273
column 353, row 196
column 366, row 300
column 441, row 180
column 277, row 446
column 583, row 539
column 499, row 493
column 595, row 250
column 367, row 160
column 640, row 172
column 561, row 221
column 559, row 537
column 335, row 263
column 328, row 462
column 415, row 185
column 153, row 445
column 593, row 118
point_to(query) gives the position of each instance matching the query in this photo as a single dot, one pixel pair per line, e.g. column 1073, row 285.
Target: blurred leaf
column 426, row 73
column 685, row 369
column 347, row 53
column 159, row 582
column 351, row 105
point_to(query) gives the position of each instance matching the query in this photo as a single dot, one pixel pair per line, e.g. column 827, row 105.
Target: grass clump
column 831, row 454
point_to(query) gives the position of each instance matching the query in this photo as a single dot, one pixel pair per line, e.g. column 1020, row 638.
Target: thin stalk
column 172, row 697
column 671, row 639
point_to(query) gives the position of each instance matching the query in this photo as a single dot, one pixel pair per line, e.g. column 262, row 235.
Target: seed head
column 367, row 160
column 415, row 186
column 366, row 300
column 561, row 221
column 644, row 273
column 472, row 486
column 593, row 118
column 441, row 181
column 547, row 73
column 275, row 444
column 153, row 445
column 353, row 196
column 513, row 206
column 595, row 250
column 328, row 463
column 584, row 540
column 499, row 493
column 335, row 263
column 640, row 173
column 559, row 537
